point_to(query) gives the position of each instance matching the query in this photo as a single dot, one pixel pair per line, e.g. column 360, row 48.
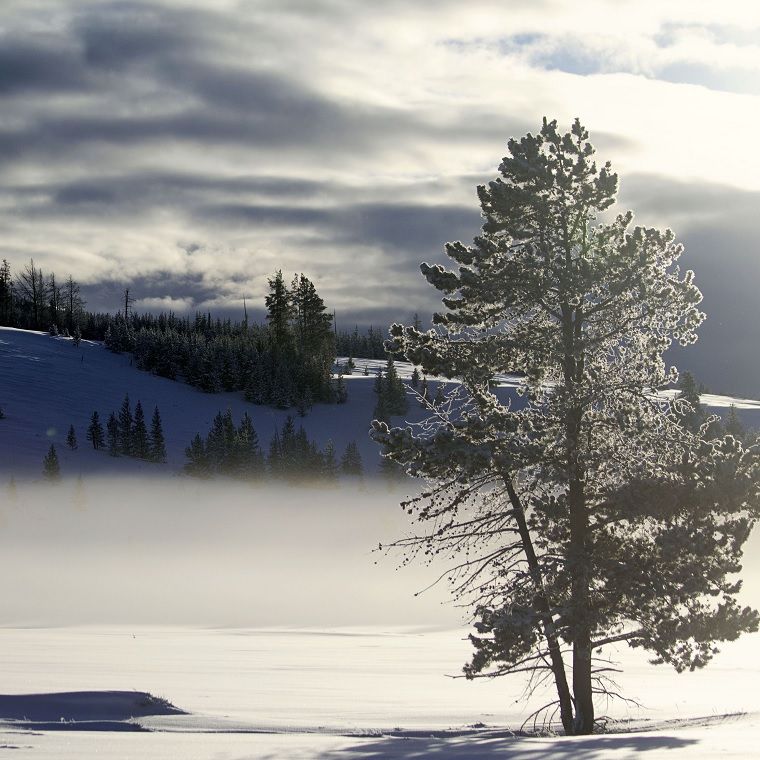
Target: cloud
column 190, row 149
column 164, row 304
column 717, row 225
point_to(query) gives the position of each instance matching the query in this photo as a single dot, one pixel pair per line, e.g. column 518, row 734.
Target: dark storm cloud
column 718, row 227
column 412, row 227
column 108, row 295
column 134, row 33
column 389, row 226
column 41, row 65
column 154, row 74
column 144, row 189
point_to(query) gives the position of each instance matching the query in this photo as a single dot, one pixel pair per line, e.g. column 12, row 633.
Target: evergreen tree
column 250, row 460
column 588, row 516
column 6, row 293
column 140, row 445
column 156, row 443
column 439, row 397
column 95, row 431
column 51, row 469
column 220, row 444
column 341, row 392
column 304, row 401
column 275, row 459
column 125, row 428
column 351, row 461
column 71, row 438
column 312, row 324
column 733, row 425
column 112, row 434
column 688, row 408
column 395, row 392
column 197, row 463
column 279, row 310
column 329, row 462
column 415, row 380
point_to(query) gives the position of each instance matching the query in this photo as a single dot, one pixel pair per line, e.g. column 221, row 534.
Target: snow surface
column 47, row 384
column 353, row 693
column 263, row 611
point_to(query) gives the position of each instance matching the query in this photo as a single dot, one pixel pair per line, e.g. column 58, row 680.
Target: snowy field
column 263, row 612
column 266, row 616
column 349, row 693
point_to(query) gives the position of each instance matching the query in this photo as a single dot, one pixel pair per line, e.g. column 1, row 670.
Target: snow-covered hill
column 48, row 384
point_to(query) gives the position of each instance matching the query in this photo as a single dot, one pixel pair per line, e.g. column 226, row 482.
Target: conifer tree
column 330, row 463
column 250, row 460
column 588, row 516
column 95, row 431
column 197, row 463
column 351, row 461
column 688, row 408
column 279, row 311
column 125, row 428
column 733, row 425
column 71, row 438
column 274, row 458
column 341, row 392
column 395, row 393
column 415, row 379
column 156, row 443
column 51, row 468
column 140, row 444
column 112, row 433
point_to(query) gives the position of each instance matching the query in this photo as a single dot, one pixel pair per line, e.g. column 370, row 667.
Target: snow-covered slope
column 47, row 384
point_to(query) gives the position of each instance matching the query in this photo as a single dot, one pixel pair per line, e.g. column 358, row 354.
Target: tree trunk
column 580, row 572
column 578, row 559
column 550, row 634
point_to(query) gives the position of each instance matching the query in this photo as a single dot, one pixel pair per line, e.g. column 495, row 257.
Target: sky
column 189, row 149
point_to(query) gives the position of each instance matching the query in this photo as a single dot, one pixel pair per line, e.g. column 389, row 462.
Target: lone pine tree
column 586, row 515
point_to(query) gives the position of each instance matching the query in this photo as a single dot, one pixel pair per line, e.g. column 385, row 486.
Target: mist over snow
column 121, row 540
column 179, row 551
